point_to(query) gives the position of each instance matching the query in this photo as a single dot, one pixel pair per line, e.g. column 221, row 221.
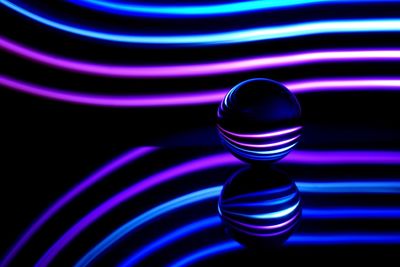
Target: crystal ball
column 259, row 121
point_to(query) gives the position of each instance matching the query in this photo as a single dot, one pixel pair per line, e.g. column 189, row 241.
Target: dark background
column 48, row 146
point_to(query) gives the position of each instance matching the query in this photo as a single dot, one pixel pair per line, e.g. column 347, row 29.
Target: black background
column 48, row 146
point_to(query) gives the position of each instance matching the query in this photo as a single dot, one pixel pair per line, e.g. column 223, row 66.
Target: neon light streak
column 135, row 9
column 95, row 177
column 202, row 69
column 187, row 99
column 370, row 187
column 238, row 36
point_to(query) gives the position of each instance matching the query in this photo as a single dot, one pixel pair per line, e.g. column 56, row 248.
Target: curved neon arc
column 135, row 9
column 213, row 161
column 239, row 36
column 170, row 238
column 205, row 163
column 116, row 235
column 61, row 202
column 157, row 211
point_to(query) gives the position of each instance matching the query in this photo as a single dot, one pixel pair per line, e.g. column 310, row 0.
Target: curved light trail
column 230, row 37
column 200, row 225
column 213, row 192
column 201, row 69
column 300, row 157
column 78, row 189
column 205, row 163
column 136, row 9
column 300, row 239
column 213, row 161
column 195, row 98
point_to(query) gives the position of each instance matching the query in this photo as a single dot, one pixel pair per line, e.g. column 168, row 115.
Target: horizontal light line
column 263, row 227
column 201, row 69
column 157, row 211
column 349, row 187
column 137, row 9
column 351, row 213
column 238, row 36
column 159, row 100
column 265, row 203
column 270, row 215
column 298, row 239
column 260, row 145
column 261, row 135
column 259, row 194
column 265, row 153
column 187, row 99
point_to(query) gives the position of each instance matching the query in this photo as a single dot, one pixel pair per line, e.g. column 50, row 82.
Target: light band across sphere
column 259, row 121
column 260, row 207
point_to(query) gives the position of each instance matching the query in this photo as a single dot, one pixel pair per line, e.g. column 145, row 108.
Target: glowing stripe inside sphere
column 259, row 121
column 260, row 207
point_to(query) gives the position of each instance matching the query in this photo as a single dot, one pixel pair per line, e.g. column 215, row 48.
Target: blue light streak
column 133, row 224
column 213, row 192
column 170, row 238
column 237, row 36
column 300, row 239
column 270, row 215
column 135, row 9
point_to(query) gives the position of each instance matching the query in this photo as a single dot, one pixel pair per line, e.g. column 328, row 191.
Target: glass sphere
column 259, row 121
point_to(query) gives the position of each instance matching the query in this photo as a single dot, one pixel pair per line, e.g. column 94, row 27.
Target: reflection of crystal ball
column 259, row 121
column 260, row 207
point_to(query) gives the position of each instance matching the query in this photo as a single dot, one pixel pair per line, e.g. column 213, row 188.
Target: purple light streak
column 195, row 98
column 152, row 181
column 95, row 177
column 160, row 100
column 209, row 162
column 262, row 135
column 202, row 69
column 262, row 145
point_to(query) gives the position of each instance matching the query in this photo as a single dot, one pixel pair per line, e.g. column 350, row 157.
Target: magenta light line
column 209, row 162
column 195, row 98
column 159, row 100
column 201, row 69
column 262, row 145
column 95, row 177
column 343, row 84
column 262, row 135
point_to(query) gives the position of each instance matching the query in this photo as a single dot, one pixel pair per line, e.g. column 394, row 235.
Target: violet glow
column 195, row 98
column 201, row 69
column 209, row 162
